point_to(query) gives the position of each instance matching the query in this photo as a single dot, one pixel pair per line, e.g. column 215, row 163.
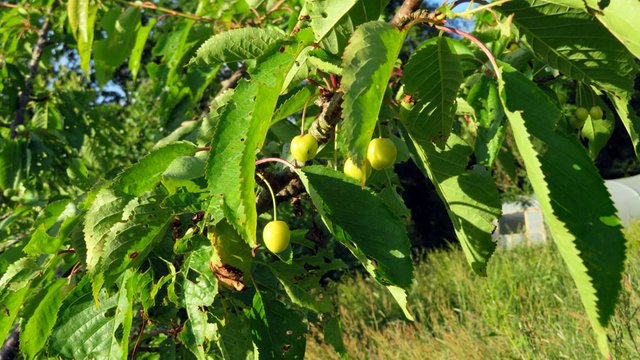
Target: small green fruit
column 578, row 118
column 352, row 170
column 596, row 113
column 382, row 153
column 514, row 47
column 304, row 147
column 574, row 122
column 581, row 113
column 8, row 193
column 276, row 236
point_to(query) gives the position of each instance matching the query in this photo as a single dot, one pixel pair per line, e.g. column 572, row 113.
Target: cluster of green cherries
column 580, row 116
column 381, row 154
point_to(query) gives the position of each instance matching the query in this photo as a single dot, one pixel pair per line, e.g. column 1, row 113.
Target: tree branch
column 407, row 7
column 25, row 94
column 10, row 347
column 232, row 81
column 152, row 6
column 227, row 84
column 324, row 126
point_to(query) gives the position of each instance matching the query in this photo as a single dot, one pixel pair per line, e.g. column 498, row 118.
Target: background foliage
column 129, row 134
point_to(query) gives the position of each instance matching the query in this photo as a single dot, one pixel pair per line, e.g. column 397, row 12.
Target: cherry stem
column 316, row 84
column 273, row 196
column 135, row 347
column 304, row 112
column 474, row 40
column 334, row 81
column 204, row 148
column 326, row 82
column 273, row 159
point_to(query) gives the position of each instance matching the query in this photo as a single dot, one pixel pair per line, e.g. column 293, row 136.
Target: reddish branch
column 23, row 99
column 152, row 6
column 474, row 40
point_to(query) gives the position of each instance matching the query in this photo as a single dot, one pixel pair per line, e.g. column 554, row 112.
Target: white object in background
column 625, row 193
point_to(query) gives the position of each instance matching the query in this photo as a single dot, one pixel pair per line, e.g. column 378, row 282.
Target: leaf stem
column 282, row 161
column 135, row 347
column 273, row 196
column 476, row 41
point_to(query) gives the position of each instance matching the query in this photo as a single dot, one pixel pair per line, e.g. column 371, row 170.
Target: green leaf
column 200, row 288
column 111, row 52
column 470, row 196
column 52, row 227
column 325, row 66
column 367, row 62
column 124, row 315
column 334, row 21
column 217, row 108
column 240, row 131
column 87, row 331
column 38, row 326
column 183, row 132
column 185, row 168
column 278, row 332
column 11, row 302
column 293, row 103
column 483, row 97
column 229, row 248
column 432, row 77
column 325, row 15
column 120, row 231
column 580, row 215
column 82, row 19
column 361, row 220
column 237, row 45
column 629, row 118
column 147, row 172
column 301, row 278
column 597, row 133
column 333, row 335
column 235, row 339
column 72, row 14
column 614, row 15
column 11, row 155
column 573, row 42
column 16, row 273
column 138, row 46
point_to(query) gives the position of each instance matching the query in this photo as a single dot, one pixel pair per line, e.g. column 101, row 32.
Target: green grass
column 527, row 308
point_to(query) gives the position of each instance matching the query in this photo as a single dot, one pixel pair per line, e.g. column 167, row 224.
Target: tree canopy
column 146, row 150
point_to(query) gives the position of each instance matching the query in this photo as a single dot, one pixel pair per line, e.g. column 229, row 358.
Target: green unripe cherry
column 304, row 147
column 276, row 236
column 596, row 113
column 8, row 193
column 578, row 118
column 352, row 170
column 382, row 153
column 581, row 113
